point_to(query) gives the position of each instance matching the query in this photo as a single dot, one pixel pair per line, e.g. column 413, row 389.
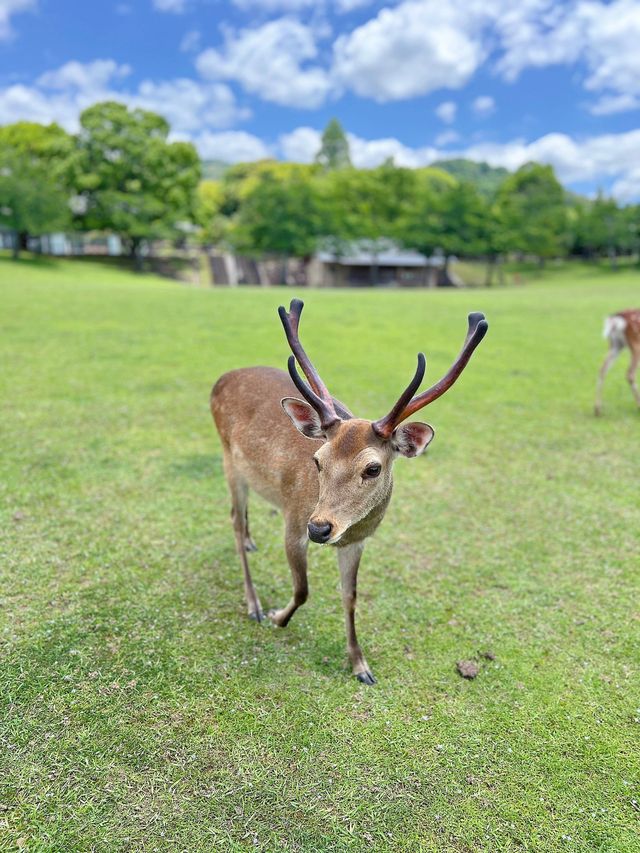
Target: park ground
column 141, row 710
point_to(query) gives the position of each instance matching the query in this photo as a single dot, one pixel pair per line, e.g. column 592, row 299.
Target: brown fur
column 628, row 336
column 262, row 451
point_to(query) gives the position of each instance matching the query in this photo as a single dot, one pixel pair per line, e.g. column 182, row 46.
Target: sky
column 504, row 81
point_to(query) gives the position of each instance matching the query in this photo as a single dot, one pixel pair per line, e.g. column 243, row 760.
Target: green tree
column 365, row 206
column 600, row 227
column 132, row 181
column 34, row 192
column 280, row 214
column 334, row 148
column 531, row 205
column 463, row 223
column 209, row 212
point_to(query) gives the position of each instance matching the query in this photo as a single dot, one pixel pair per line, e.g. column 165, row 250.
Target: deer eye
column 372, row 471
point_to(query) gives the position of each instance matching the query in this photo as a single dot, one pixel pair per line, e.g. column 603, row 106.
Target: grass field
column 141, row 710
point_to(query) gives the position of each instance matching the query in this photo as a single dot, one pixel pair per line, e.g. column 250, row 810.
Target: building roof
column 389, row 258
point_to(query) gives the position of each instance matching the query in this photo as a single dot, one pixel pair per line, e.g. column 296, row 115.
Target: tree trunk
column 491, row 265
column 134, row 253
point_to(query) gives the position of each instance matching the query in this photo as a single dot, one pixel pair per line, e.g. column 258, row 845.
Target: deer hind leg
column 613, row 353
column 348, row 562
column 240, row 520
column 296, row 543
column 631, row 374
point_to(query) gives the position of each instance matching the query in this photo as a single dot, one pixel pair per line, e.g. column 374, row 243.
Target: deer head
column 355, row 459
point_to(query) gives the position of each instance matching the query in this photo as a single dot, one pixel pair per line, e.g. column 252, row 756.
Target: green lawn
column 142, row 710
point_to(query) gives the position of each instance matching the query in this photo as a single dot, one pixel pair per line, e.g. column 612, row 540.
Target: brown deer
column 332, row 478
column 621, row 330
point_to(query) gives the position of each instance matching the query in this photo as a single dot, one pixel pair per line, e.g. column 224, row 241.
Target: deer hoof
column 276, row 618
column 366, row 677
column 257, row 615
column 250, row 546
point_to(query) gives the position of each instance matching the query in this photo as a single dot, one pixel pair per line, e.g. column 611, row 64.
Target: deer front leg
column 240, row 520
column 348, row 561
column 613, row 353
column 296, row 543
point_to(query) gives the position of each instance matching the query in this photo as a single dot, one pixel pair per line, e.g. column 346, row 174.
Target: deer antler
column 408, row 404
column 318, row 395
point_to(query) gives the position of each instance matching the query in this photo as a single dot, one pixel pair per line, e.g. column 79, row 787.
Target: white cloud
column 301, row 145
column 188, row 105
column 177, row 7
column 86, row 76
column 61, row 95
column 190, row 41
column 604, row 36
column 627, row 188
column 605, row 159
column 483, row 105
column 446, row 111
column 232, row 146
column 610, row 104
column 447, row 137
column 270, row 61
column 9, row 8
column 411, row 49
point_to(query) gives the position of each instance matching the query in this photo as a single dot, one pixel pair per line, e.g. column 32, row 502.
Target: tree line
column 121, row 174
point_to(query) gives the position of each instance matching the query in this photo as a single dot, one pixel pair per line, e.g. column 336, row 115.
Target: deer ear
column 412, row 439
column 304, row 417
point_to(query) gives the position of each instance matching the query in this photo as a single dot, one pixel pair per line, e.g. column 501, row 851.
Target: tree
column 532, row 208
column 600, row 227
column 209, row 212
column 463, row 223
column 34, row 193
column 280, row 214
column 363, row 205
column 334, row 148
column 131, row 180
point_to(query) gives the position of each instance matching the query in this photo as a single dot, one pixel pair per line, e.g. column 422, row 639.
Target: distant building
column 391, row 266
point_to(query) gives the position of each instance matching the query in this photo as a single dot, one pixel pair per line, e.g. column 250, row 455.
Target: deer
column 331, row 476
column 620, row 330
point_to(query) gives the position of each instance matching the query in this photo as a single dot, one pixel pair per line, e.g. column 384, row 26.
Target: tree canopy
column 131, row 180
column 34, row 195
column 334, row 147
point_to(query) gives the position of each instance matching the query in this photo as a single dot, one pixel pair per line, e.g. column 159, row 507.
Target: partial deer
column 621, row 330
column 332, row 478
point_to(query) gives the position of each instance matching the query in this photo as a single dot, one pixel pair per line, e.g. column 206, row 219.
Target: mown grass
column 141, row 710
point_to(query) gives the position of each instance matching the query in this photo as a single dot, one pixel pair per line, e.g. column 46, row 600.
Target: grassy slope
column 142, row 710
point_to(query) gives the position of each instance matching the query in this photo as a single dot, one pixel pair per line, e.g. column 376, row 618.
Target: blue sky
column 493, row 80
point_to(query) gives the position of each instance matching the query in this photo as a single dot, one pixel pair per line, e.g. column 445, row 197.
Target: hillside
column 485, row 177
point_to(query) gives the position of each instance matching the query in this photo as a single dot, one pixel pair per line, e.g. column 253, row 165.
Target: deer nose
column 319, row 532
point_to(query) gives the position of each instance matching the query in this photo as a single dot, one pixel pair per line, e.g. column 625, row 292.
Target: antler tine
column 385, row 426
column 327, row 413
column 317, row 395
column 477, row 330
column 291, row 321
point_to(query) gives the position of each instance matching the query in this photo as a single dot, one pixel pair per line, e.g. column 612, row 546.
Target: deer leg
column 296, row 543
column 249, row 544
column 239, row 518
column 631, row 375
column 613, row 353
column 348, row 561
